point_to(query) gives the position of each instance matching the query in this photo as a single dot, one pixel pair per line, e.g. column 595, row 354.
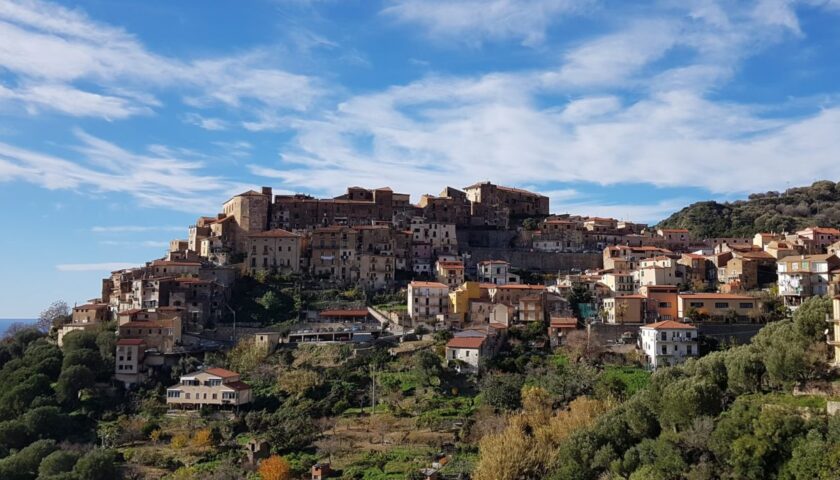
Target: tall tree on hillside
column 58, row 312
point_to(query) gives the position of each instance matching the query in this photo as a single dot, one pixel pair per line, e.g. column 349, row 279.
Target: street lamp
column 234, row 322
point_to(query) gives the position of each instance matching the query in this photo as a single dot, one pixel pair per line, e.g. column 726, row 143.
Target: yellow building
column 720, row 307
column 460, row 298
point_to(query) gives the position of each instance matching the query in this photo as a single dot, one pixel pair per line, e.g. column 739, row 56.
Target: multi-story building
column 820, row 237
column 428, row 302
column 250, row 212
column 620, row 282
column 273, row 251
column 719, row 307
column 129, row 367
column 520, row 203
column 624, row 309
column 496, row 272
column 700, row 273
column 661, row 302
column 531, row 309
column 748, row 270
column 668, row 343
column 450, row 272
column 359, row 206
column 804, row 276
column 441, row 237
column 162, row 331
column 626, row 258
column 676, row 239
column 662, row 270
column 334, row 254
column 213, row 386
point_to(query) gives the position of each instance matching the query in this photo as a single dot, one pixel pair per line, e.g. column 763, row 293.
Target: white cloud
column 94, row 267
column 159, row 177
column 475, row 21
column 207, row 123
column 136, row 228
column 647, row 213
column 51, row 50
column 135, row 244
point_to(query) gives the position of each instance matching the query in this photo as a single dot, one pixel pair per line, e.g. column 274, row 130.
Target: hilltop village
column 472, row 277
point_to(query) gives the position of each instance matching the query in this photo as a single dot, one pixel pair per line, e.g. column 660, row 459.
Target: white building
column 467, row 352
column 428, row 302
column 496, row 272
column 668, row 343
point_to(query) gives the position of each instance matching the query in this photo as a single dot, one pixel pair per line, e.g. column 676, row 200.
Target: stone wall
column 547, row 262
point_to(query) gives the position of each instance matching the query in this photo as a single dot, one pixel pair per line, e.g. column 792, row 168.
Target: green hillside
column 788, row 211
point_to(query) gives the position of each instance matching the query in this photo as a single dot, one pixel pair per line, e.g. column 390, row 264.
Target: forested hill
column 788, row 211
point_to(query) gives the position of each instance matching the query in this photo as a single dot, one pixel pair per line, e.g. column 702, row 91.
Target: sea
column 5, row 323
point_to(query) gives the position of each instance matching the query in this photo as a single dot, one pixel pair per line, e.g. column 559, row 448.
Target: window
column 721, row 304
column 664, row 336
column 689, row 349
column 695, row 304
column 746, row 305
column 664, row 350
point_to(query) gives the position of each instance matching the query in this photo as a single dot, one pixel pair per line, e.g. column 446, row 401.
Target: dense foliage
column 793, row 209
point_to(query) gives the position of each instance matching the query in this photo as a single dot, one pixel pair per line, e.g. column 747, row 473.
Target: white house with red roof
column 668, row 343
column 468, row 352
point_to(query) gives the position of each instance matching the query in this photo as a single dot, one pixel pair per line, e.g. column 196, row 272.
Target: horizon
column 122, row 123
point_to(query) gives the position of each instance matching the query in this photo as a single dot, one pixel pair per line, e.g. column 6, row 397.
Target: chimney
column 220, row 216
column 266, row 191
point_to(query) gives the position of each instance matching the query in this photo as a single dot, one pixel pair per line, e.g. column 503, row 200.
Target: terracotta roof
column 563, row 322
column 822, row 230
column 717, row 296
column 466, row 342
column 131, row 341
column 276, row 233
column 674, row 230
column 172, row 263
column 669, row 325
column 520, row 286
column 91, row 306
column 498, row 326
column 451, row 264
column 632, row 296
column 131, row 312
column 221, row 372
column 491, row 262
column 427, row 284
column 238, row 385
column 343, row 313
column 163, row 323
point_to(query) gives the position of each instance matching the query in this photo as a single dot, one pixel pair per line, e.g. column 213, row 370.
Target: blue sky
column 121, row 121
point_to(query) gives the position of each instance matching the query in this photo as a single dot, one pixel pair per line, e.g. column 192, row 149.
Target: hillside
column 791, row 210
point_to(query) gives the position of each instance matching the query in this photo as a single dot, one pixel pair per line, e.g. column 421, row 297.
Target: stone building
column 273, row 251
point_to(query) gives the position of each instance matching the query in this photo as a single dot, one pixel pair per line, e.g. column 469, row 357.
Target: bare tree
column 58, row 312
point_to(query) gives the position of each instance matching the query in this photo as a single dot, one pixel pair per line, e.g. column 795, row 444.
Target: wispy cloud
column 140, row 243
column 136, row 228
column 66, row 62
column 160, row 176
column 94, row 267
column 476, row 21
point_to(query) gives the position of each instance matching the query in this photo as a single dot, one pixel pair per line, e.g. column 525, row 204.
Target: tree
column 275, row 467
column 98, row 464
column 502, row 390
column 58, row 462
column 810, row 317
column 72, row 381
column 56, row 314
column 203, row 438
